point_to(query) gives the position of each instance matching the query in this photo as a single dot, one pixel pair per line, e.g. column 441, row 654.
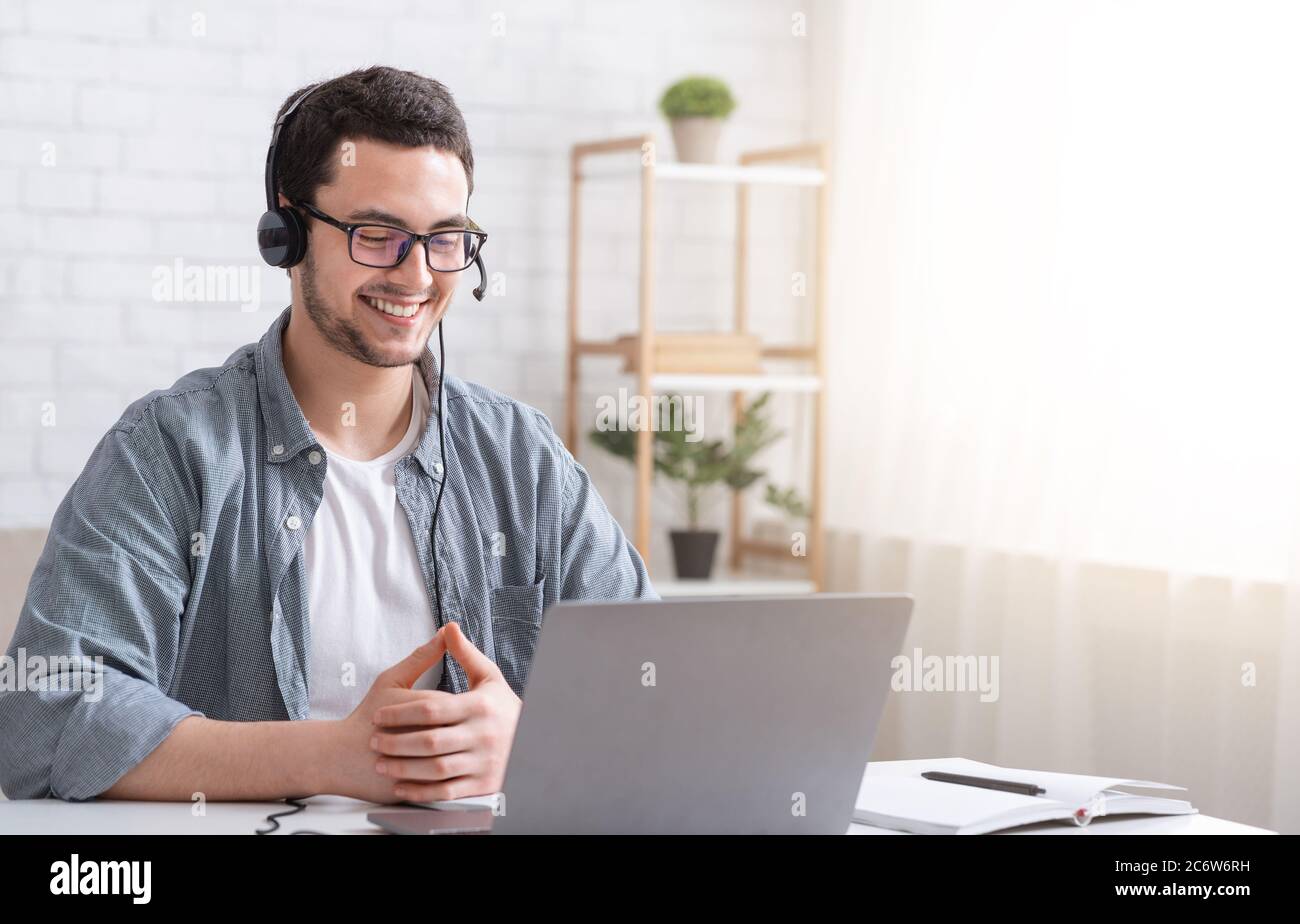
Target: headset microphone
column 482, row 277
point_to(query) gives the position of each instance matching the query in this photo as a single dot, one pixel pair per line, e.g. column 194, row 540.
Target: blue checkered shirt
column 175, row 558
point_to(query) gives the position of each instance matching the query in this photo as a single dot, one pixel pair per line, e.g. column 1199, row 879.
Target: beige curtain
column 1063, row 313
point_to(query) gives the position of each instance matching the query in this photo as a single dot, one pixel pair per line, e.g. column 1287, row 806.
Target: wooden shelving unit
column 635, row 157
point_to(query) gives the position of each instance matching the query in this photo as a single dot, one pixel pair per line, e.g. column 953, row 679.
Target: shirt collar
column 287, row 430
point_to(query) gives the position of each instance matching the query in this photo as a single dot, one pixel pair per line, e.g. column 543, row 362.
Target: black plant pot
column 693, row 551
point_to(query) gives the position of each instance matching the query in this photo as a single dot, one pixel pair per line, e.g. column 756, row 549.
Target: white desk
column 340, row 815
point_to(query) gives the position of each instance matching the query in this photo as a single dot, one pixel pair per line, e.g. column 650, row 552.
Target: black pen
column 1024, row 789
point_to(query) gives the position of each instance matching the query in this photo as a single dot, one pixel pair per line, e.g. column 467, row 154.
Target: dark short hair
column 379, row 103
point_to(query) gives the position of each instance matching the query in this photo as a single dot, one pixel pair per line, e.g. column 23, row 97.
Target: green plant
column 787, row 501
column 697, row 96
column 702, row 464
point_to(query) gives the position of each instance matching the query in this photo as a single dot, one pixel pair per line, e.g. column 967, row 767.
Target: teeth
column 399, row 311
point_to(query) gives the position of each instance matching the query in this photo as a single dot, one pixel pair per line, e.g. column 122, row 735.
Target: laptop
column 704, row 715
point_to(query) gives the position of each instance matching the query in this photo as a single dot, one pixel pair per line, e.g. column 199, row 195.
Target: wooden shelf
column 713, row 381
column 737, row 374
column 620, row 345
column 735, row 174
column 679, row 381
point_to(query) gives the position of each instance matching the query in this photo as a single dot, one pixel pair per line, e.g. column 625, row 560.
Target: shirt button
column 277, row 450
column 437, row 468
column 293, row 522
column 314, row 457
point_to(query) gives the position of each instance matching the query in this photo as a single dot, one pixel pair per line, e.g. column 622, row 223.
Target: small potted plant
column 699, row 466
column 695, row 108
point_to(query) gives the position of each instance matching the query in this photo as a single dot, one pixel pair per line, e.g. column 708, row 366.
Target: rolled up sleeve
column 598, row 561
column 108, row 593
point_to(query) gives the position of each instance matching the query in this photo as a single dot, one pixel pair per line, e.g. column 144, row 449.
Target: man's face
column 417, row 189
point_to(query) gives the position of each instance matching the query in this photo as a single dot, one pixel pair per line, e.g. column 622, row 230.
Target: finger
column 391, row 696
column 430, row 769
column 443, row 790
column 421, row 742
column 435, row 708
column 408, row 670
column 478, row 666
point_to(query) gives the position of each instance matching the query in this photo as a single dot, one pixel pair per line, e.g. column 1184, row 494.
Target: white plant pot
column 695, row 138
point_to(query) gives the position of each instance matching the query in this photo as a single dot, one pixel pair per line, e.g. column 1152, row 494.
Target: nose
column 413, row 273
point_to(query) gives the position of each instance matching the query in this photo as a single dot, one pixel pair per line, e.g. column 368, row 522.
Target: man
column 254, row 545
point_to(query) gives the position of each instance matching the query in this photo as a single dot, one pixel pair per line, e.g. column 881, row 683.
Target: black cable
column 442, row 459
column 298, row 806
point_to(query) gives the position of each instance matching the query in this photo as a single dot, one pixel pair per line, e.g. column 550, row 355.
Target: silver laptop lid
column 702, row 715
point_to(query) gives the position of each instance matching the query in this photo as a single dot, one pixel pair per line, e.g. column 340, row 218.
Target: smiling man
column 252, row 551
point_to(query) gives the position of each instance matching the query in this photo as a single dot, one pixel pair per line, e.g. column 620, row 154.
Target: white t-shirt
column 366, row 595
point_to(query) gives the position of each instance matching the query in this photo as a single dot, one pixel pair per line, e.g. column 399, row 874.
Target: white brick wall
column 158, row 138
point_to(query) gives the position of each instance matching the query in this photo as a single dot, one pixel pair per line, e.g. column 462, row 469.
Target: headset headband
column 271, row 203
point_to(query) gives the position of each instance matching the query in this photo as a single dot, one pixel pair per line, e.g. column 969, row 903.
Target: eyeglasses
column 448, row 250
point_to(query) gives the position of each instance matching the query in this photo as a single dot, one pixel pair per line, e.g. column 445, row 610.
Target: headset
column 282, row 241
column 281, row 232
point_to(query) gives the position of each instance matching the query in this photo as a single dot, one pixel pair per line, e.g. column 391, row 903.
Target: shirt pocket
column 516, row 624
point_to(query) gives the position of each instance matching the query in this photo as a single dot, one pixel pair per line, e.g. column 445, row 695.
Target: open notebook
column 894, row 795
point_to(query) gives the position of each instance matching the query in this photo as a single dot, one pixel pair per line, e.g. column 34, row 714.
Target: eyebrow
column 387, row 218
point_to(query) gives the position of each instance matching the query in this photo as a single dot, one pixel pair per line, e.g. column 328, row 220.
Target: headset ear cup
column 281, row 237
column 297, row 237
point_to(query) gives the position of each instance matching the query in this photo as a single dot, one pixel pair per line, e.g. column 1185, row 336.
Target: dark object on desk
column 1024, row 789
column 434, row 821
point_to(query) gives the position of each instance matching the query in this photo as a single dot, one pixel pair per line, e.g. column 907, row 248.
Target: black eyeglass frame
column 350, row 228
